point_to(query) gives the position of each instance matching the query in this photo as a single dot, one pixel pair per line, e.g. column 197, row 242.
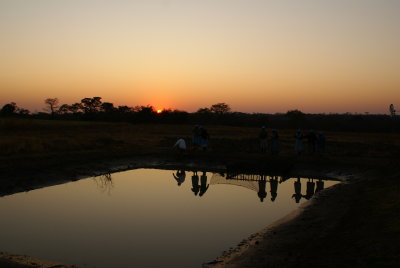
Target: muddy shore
column 337, row 228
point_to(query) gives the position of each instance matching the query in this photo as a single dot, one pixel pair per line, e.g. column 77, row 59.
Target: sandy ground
column 283, row 243
column 324, row 232
column 341, row 227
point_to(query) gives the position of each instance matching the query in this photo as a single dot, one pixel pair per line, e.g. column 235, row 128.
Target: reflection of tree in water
column 104, row 183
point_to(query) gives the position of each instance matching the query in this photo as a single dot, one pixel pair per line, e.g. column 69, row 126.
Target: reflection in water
column 310, row 189
column 297, row 190
column 180, row 176
column 262, row 184
column 78, row 224
column 203, row 184
column 273, row 182
column 258, row 183
column 104, row 183
column 195, row 183
column 320, row 185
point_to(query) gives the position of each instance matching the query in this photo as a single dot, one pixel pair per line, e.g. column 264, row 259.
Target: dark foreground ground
column 354, row 224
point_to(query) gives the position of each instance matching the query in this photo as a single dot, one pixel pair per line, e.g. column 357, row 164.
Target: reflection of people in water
column 203, row 184
column 310, row 189
column 180, row 176
column 195, row 183
column 262, row 191
column 320, row 185
column 297, row 190
column 273, row 182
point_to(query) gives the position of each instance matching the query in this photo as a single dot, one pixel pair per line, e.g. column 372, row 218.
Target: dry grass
column 24, row 137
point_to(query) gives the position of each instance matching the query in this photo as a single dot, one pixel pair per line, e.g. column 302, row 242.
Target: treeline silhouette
column 93, row 109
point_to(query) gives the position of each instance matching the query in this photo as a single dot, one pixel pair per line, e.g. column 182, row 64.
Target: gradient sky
column 255, row 55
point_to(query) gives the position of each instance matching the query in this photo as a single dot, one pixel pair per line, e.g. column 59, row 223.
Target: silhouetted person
column 196, row 137
column 297, row 190
column 203, row 184
column 273, row 182
column 274, row 142
column 262, row 189
column 263, row 135
column 321, row 143
column 180, row 145
column 204, row 137
column 299, row 141
column 310, row 189
column 180, row 176
column 195, row 183
column 320, row 185
column 312, row 140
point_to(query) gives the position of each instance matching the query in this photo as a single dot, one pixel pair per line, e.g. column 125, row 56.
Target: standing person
column 275, row 142
column 263, row 139
column 196, row 137
column 204, row 138
column 312, row 139
column 321, row 143
column 299, row 143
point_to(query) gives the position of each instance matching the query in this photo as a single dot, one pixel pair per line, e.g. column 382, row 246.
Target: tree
column 91, row 105
column 107, row 107
column 64, row 109
column 9, row 109
column 220, row 108
column 125, row 109
column 23, row 111
column 295, row 113
column 203, row 111
column 76, row 108
column 52, row 105
column 296, row 117
column 12, row 109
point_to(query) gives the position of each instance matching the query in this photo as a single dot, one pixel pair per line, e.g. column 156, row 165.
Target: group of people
column 310, row 191
column 316, row 143
column 263, row 136
column 197, row 189
column 262, row 188
column 200, row 139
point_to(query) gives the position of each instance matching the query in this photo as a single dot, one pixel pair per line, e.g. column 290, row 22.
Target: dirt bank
column 353, row 224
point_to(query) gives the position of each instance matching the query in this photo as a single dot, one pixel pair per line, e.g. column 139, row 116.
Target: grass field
column 24, row 137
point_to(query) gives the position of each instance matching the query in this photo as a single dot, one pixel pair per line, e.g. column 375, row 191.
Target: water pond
column 147, row 217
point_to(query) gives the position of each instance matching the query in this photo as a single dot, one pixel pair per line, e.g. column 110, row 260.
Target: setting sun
column 159, row 111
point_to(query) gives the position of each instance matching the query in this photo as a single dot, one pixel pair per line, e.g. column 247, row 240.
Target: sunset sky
column 256, row 55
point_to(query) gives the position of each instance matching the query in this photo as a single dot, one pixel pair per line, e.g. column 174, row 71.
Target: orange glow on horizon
column 256, row 56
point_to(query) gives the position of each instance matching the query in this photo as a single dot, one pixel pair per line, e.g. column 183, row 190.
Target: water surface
column 145, row 218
